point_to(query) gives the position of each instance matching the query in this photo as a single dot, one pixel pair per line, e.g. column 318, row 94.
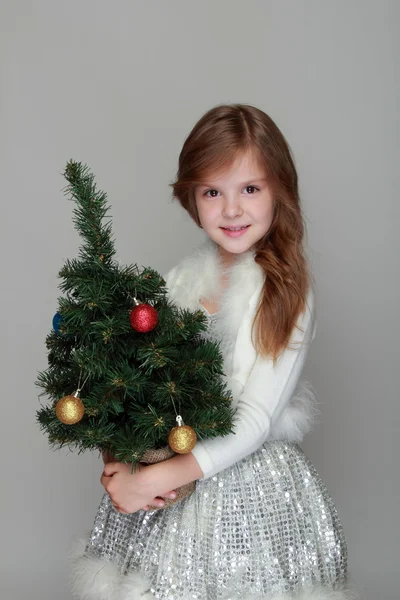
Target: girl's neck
column 227, row 258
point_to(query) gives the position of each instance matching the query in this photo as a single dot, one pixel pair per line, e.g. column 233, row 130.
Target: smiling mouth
column 235, row 228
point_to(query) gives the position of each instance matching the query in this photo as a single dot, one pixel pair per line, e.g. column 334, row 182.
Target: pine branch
column 91, row 208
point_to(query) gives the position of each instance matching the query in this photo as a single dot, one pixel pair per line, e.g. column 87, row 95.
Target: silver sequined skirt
column 264, row 526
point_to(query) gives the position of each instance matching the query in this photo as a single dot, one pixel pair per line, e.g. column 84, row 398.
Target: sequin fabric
column 263, row 526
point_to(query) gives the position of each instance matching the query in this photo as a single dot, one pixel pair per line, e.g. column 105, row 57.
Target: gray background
column 119, row 85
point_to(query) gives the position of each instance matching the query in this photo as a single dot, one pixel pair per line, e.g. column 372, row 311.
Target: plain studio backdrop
column 118, row 85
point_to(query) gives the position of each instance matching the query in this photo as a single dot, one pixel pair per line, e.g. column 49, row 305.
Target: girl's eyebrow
column 253, row 180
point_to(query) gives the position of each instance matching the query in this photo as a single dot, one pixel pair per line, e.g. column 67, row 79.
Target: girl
column 261, row 524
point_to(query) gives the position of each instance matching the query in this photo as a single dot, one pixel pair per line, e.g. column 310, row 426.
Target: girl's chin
column 229, row 251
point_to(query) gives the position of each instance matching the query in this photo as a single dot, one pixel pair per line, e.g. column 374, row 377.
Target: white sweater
column 270, row 402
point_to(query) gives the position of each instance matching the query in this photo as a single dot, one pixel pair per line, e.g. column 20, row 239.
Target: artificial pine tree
column 125, row 363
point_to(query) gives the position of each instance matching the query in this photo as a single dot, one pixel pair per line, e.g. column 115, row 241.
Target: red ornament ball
column 143, row 318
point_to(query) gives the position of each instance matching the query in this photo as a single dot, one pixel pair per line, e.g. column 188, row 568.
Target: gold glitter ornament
column 182, row 439
column 70, row 409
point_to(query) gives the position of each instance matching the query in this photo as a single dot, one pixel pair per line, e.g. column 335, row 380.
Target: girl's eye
column 253, row 187
column 205, row 193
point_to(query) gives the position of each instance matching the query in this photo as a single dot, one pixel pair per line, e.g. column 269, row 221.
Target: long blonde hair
column 215, row 141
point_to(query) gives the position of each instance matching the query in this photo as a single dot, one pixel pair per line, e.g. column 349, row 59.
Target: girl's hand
column 129, row 492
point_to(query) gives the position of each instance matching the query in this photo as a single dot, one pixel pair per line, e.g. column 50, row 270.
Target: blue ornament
column 57, row 322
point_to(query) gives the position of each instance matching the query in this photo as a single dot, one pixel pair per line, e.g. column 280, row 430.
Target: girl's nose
column 232, row 208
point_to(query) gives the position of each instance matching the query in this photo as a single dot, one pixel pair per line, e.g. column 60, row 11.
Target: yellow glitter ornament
column 70, row 409
column 182, row 439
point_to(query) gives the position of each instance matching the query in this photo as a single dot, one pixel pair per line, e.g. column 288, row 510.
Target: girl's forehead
column 243, row 165
column 243, row 175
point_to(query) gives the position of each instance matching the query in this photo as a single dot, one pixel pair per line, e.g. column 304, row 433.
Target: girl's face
column 238, row 198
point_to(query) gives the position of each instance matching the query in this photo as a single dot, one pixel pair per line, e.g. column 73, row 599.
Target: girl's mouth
column 235, row 231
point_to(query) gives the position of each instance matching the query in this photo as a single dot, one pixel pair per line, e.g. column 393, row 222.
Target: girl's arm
column 182, row 468
column 265, row 396
column 130, row 492
column 172, row 473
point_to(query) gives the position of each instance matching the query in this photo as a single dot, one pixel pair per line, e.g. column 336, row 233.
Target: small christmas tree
column 125, row 363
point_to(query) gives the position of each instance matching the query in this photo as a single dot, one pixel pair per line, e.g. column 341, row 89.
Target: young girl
column 260, row 524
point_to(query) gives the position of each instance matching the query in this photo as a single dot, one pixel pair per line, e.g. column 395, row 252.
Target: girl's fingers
column 171, row 494
column 118, row 508
column 159, row 500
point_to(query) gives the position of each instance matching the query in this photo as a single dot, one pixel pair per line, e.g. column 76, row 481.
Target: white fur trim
column 199, row 276
column 95, row 579
column 299, row 416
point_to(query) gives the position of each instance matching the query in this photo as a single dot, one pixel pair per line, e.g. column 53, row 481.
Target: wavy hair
column 220, row 135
